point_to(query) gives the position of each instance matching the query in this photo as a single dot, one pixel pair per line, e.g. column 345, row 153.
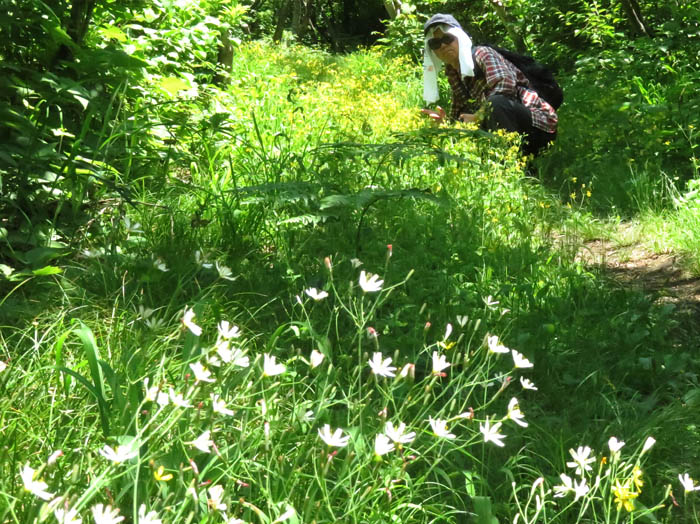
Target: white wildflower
column 120, row 454
column 398, row 434
column 225, row 272
column 381, row 366
column 271, row 367
column 688, row 483
column 148, row 518
column 67, row 516
column 440, row 428
column 448, row 331
column 565, row 487
column 187, row 320
column 370, row 283
column 490, row 302
column 491, row 433
column 495, row 345
column 203, row 442
column 382, row 445
column 648, row 444
column 288, row 514
column 33, row 486
column 229, row 355
column 201, row 374
column 578, row 487
column 439, row 363
column 615, row 445
column 582, row 459
column 105, row 514
column 178, row 399
column 160, row 265
column 316, row 358
column 527, row 384
column 54, row 457
column 515, row 414
column 216, row 496
column 219, row 406
column 520, row 361
column 335, row 439
column 228, row 331
column 316, row 294
column 151, row 391
column 409, row 370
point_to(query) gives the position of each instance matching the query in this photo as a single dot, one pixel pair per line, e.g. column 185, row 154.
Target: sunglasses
column 436, row 43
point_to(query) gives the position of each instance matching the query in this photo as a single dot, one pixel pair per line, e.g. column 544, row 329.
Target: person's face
column 448, row 51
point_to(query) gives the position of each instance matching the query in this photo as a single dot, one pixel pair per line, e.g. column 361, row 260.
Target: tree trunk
column 634, row 16
column 392, row 7
column 282, row 16
column 511, row 25
column 224, row 59
column 300, row 17
column 80, row 17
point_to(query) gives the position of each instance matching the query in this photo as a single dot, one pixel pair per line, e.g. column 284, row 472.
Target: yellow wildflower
column 160, row 474
column 624, row 496
column 637, row 478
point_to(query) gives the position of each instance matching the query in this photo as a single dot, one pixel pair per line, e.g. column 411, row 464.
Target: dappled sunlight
column 244, row 279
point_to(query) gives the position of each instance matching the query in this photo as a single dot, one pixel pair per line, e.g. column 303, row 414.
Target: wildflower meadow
column 269, row 290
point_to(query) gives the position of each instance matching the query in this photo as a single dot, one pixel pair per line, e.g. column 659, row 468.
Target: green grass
column 307, row 166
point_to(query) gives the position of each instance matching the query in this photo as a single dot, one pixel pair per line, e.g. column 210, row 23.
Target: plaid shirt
column 500, row 77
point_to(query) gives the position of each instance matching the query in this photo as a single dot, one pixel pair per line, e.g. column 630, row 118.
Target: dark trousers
column 512, row 115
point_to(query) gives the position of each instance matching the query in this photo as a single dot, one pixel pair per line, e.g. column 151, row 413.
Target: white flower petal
column 382, row 366
column 335, row 439
column 370, row 283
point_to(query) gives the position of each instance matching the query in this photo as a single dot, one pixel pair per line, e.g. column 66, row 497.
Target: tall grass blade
column 93, row 357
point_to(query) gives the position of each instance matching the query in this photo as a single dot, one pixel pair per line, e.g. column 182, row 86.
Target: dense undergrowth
column 194, row 326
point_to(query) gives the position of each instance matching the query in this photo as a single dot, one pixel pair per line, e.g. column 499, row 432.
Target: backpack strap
column 478, row 72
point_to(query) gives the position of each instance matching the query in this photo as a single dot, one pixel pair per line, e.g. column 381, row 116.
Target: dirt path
column 632, row 264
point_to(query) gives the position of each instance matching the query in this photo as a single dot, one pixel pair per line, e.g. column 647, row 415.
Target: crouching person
column 486, row 88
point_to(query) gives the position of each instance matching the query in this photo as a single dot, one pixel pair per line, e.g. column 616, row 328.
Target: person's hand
column 438, row 115
column 468, row 117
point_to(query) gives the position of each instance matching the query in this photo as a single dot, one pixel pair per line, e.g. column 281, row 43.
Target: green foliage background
column 140, row 171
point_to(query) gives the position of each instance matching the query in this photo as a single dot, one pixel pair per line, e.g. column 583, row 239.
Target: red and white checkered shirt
column 500, row 77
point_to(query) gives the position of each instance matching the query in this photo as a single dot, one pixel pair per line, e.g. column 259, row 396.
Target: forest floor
column 628, row 261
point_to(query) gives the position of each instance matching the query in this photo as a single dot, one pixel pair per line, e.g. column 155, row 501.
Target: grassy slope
column 311, row 140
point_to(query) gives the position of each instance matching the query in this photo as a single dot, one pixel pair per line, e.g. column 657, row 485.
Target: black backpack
column 540, row 76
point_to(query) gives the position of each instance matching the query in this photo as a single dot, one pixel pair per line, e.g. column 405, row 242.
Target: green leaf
column 173, row 85
column 644, row 514
column 47, row 270
column 79, row 97
column 469, row 481
column 41, row 255
column 60, row 364
column 482, row 508
column 112, row 33
column 93, row 356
